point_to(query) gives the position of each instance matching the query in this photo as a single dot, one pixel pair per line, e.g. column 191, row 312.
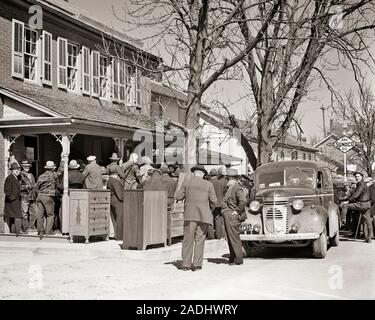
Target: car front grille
column 276, row 218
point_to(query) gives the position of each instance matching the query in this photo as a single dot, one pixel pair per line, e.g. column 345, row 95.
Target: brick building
column 69, row 88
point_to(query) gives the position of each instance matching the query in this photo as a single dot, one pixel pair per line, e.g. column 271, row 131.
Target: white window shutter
column 95, row 73
column 85, row 67
column 62, row 73
column 17, row 49
column 46, row 58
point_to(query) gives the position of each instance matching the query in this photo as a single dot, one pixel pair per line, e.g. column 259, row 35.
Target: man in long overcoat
column 93, row 174
column 12, row 191
column 200, row 199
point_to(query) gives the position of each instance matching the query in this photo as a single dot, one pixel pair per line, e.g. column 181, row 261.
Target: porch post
column 65, row 143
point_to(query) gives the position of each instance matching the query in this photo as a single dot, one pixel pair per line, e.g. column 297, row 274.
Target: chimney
column 331, row 125
column 304, row 139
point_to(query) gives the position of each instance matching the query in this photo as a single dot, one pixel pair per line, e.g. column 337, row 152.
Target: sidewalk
column 110, row 249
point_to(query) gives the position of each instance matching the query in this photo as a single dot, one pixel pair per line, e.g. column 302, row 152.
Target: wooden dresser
column 89, row 213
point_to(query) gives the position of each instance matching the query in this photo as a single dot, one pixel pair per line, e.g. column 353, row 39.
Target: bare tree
column 357, row 110
column 197, row 35
column 303, row 42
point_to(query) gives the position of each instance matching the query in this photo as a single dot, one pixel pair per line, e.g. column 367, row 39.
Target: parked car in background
column 293, row 205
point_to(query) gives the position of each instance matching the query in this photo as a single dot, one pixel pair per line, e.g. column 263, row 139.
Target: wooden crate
column 145, row 218
column 89, row 213
column 175, row 222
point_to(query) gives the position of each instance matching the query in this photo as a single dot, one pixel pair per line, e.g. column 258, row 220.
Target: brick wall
column 58, row 28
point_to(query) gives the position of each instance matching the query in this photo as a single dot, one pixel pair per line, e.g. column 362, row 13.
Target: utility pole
column 324, row 121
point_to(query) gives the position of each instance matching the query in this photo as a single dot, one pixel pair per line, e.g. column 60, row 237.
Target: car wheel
column 319, row 245
column 334, row 241
column 247, row 248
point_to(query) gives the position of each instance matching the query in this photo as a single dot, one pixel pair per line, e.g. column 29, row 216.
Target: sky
column 309, row 111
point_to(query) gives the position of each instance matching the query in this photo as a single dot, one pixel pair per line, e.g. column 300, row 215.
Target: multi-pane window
column 72, row 66
column 85, row 70
column 30, row 54
column 118, row 79
column 132, row 85
column 47, row 58
column 103, row 74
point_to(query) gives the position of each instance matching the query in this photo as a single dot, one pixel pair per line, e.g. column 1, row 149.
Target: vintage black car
column 293, row 205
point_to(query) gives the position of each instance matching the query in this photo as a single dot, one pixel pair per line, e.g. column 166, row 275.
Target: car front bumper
column 279, row 238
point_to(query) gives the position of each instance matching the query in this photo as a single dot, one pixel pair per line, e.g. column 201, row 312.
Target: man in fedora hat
column 359, row 200
column 46, row 189
column 12, row 207
column 200, row 199
column 92, row 174
column 233, row 210
column 75, row 177
column 28, row 197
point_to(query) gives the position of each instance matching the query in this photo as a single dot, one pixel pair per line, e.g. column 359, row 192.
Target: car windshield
column 287, row 177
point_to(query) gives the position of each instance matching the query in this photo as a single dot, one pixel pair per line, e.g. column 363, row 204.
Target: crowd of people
column 355, row 199
column 214, row 204
column 35, row 205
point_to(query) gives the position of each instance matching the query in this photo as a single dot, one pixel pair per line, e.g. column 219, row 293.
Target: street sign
column 344, row 144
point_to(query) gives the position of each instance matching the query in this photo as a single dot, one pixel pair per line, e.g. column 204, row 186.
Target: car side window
column 319, row 182
column 327, row 179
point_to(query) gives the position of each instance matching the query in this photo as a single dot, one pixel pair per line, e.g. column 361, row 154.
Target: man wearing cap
column 75, row 177
column 219, row 182
column 92, row 174
column 12, row 207
column 169, row 183
column 359, row 199
column 200, row 199
column 28, row 197
column 234, row 203
column 46, row 189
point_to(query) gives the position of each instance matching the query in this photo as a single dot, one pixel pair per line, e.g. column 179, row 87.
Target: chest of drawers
column 89, row 213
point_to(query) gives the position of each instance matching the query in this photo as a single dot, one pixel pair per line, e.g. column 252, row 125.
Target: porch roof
column 60, row 110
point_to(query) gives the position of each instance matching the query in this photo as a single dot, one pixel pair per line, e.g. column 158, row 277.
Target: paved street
column 57, row 271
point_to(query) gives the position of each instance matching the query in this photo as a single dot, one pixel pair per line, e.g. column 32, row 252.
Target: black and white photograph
column 212, row 151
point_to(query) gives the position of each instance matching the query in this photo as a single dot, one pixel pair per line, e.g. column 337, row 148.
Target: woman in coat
column 12, row 191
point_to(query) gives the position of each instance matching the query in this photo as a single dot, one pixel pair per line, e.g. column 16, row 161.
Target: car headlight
column 254, row 205
column 298, row 204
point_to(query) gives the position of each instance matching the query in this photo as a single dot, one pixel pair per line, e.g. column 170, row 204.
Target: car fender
column 310, row 220
column 333, row 219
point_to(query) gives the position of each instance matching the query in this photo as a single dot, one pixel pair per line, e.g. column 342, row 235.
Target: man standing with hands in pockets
column 234, row 203
column 200, row 199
